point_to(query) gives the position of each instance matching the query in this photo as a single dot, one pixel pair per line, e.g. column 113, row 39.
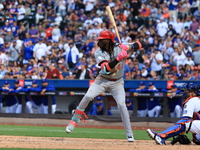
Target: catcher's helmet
column 192, row 86
column 106, row 35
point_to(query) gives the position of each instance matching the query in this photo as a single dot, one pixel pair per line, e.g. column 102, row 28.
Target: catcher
column 111, row 58
column 190, row 121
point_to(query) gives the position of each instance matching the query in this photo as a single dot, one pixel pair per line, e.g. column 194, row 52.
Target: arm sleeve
column 50, row 88
column 108, row 65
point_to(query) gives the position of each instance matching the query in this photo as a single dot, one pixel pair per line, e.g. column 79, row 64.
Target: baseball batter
column 190, row 121
column 111, row 58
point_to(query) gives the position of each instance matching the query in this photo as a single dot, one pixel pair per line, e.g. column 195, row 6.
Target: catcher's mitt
column 182, row 139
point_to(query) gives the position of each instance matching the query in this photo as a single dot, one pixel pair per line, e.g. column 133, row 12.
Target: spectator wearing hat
column 171, row 76
column 48, row 31
column 129, row 104
column 174, row 102
column 58, row 19
column 142, row 101
column 9, row 36
column 48, row 88
column 13, row 10
column 154, row 107
column 71, row 55
column 35, row 101
column 33, row 32
column 11, row 101
column 53, row 72
column 65, row 72
column 40, row 13
column 162, row 27
column 40, row 49
column 156, row 61
column 189, row 60
column 98, row 107
column 41, row 76
column 34, row 75
column 16, row 89
column 56, row 33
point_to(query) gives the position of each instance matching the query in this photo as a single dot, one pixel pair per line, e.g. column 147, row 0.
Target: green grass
column 40, row 131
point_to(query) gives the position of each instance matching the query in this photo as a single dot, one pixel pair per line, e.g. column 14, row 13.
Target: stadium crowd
column 56, row 39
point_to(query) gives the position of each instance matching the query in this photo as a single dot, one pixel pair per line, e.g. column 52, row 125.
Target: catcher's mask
column 191, row 88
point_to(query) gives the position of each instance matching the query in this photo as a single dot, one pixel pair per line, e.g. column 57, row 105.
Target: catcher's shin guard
column 76, row 119
column 174, row 130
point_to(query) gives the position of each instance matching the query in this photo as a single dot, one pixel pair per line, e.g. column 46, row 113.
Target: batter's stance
column 111, row 58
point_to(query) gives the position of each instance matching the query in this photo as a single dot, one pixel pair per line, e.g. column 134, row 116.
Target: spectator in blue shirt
column 48, row 88
column 35, row 102
column 129, row 104
column 98, row 108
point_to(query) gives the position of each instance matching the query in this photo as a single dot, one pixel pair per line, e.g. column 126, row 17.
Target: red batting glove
column 122, row 55
column 123, row 47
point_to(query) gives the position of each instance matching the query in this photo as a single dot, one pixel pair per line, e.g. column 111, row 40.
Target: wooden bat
column 113, row 22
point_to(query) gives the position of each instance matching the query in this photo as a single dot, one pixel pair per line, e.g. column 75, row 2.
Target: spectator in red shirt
column 49, row 31
column 53, row 73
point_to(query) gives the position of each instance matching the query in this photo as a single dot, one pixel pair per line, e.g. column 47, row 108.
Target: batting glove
column 123, row 47
column 122, row 55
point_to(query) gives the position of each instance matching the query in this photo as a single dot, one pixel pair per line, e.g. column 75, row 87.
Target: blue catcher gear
column 176, row 129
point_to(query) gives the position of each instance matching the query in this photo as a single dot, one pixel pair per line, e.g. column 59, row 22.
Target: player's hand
column 138, row 45
column 122, row 55
column 123, row 47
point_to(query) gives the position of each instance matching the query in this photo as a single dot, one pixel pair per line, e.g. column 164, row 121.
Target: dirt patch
column 83, row 143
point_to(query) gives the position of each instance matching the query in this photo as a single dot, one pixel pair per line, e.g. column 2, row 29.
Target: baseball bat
column 113, row 22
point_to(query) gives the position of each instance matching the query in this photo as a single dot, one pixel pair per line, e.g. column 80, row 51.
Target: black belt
column 110, row 79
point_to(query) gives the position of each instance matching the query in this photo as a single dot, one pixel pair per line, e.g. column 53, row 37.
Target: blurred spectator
column 46, row 87
column 40, row 49
column 98, row 107
column 156, row 61
column 154, row 107
column 53, row 72
column 129, row 104
column 142, row 101
column 71, row 55
column 174, row 102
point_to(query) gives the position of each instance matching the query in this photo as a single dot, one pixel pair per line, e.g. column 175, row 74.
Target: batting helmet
column 106, row 35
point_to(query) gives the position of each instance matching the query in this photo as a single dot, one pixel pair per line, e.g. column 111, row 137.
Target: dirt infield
column 89, row 144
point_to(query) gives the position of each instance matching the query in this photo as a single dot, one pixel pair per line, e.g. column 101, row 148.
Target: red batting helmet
column 106, row 35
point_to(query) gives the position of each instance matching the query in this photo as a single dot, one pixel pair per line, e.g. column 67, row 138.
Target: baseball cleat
column 130, row 138
column 154, row 135
column 70, row 127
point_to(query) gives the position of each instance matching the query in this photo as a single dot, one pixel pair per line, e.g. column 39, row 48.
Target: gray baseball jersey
column 116, row 88
column 116, row 72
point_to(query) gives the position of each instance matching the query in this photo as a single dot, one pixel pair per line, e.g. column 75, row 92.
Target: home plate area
column 88, row 144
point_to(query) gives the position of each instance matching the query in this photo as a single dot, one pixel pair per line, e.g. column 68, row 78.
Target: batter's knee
column 88, row 97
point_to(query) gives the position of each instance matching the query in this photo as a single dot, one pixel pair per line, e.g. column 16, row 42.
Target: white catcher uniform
column 112, row 83
column 192, row 106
